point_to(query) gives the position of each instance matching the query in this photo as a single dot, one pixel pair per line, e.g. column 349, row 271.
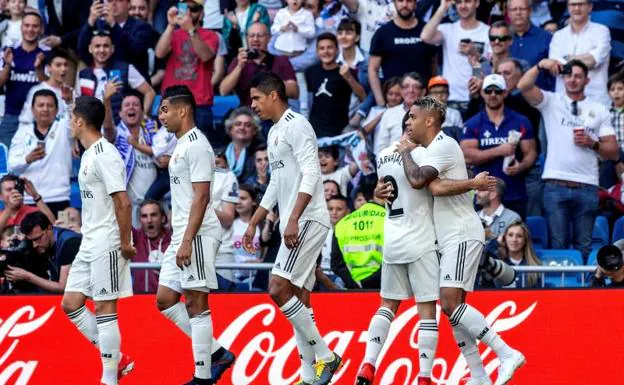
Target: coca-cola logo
column 261, row 359
column 19, row 324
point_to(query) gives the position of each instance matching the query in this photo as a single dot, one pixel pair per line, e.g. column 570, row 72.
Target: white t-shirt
column 143, row 175
column 326, row 252
column 390, row 128
column 291, row 41
column 295, row 168
column 192, row 161
column 565, row 160
column 372, row 14
column 454, row 217
column 455, row 67
column 213, row 18
column 135, row 79
column 102, row 173
column 453, row 118
column 224, row 190
column 408, row 227
column 342, row 176
column 26, row 116
column 240, row 254
column 13, row 34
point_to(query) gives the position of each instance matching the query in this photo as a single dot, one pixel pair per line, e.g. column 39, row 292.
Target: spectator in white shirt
column 11, row 28
column 329, row 161
column 585, row 41
column 391, row 123
column 295, row 26
column 464, row 38
column 372, row 14
column 579, row 131
column 41, row 151
column 57, row 65
column 392, row 96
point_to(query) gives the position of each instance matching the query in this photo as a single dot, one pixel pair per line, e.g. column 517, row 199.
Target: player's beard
column 405, row 14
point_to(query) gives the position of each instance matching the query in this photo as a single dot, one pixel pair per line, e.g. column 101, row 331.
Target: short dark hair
column 617, row 77
column 56, row 53
column 393, row 81
column 327, row 36
column 8, row 178
column 413, row 75
column 32, row 220
column 331, row 181
column 44, row 93
column 350, row 24
column 146, row 202
column 331, row 150
column 501, row 186
column 404, row 121
column 610, row 258
column 35, row 14
column 133, row 93
column 261, row 147
column 499, row 24
column 339, row 197
column 366, row 190
column 91, row 110
column 268, row 82
column 251, row 190
column 579, row 64
column 180, row 94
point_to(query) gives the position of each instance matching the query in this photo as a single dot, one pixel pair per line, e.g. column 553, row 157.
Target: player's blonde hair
column 431, row 104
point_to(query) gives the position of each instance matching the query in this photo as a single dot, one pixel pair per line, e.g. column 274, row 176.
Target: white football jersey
column 454, row 217
column 408, row 227
column 102, row 173
column 192, row 161
column 295, row 168
column 224, row 189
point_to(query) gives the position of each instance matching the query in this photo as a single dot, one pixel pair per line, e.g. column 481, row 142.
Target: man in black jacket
column 63, row 23
column 131, row 36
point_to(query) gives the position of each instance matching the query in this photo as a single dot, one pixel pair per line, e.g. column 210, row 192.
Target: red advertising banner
column 568, row 337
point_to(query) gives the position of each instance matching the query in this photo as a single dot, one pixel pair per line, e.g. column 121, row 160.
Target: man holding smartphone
column 501, row 141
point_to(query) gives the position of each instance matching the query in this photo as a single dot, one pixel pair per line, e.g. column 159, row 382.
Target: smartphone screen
column 182, row 9
column 114, row 74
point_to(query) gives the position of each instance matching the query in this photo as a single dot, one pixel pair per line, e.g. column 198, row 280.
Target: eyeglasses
column 491, row 90
column 501, row 38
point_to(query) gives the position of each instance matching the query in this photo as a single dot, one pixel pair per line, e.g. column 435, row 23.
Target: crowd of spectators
column 534, row 95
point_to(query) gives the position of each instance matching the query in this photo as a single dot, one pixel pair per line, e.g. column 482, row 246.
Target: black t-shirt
column 402, row 51
column 331, row 95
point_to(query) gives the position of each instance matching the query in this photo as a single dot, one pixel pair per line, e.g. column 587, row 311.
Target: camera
column 566, row 69
column 15, row 254
column 495, row 270
column 253, row 54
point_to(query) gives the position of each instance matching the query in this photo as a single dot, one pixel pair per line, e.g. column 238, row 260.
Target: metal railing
column 522, row 270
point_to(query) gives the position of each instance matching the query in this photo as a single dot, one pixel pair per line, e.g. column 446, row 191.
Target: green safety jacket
column 360, row 236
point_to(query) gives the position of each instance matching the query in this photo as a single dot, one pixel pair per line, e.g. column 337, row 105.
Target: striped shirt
column 617, row 121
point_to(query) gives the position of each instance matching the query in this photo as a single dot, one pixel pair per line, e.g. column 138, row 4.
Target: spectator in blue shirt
column 488, row 145
column 530, row 43
column 19, row 73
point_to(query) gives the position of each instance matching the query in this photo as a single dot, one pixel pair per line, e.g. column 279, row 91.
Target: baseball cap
column 494, row 80
column 437, row 81
column 610, row 258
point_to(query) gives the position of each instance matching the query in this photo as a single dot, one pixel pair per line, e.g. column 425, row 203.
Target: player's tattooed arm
column 449, row 187
column 418, row 177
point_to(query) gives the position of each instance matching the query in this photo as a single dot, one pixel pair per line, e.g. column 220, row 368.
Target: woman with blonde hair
column 515, row 248
column 243, row 128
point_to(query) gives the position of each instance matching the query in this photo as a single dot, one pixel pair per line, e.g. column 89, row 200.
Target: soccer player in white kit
column 296, row 186
column 410, row 265
column 460, row 239
column 101, row 268
column 189, row 263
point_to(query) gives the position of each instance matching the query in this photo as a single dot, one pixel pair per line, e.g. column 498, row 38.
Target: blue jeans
column 565, row 206
column 534, row 184
column 8, row 128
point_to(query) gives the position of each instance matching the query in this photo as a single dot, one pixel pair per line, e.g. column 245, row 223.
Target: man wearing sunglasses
column 488, row 143
column 500, row 41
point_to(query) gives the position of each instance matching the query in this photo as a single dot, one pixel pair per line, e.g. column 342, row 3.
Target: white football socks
column 468, row 347
column 306, row 354
column 300, row 318
column 201, row 336
column 85, row 321
column 427, row 343
column 179, row 316
column 475, row 324
column 110, row 342
column 378, row 330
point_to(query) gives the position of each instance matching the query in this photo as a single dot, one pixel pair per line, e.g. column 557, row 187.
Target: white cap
column 494, row 80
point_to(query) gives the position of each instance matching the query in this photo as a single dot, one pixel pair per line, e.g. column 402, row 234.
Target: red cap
column 437, row 81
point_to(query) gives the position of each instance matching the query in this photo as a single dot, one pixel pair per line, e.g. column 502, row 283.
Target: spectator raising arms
column 192, row 50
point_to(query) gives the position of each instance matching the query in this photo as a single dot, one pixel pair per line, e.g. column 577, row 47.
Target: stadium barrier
column 40, row 346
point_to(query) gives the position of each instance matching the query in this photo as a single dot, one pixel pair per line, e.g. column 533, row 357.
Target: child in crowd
column 11, row 28
column 330, row 188
column 392, row 93
column 260, row 180
column 328, row 158
column 295, row 26
column 245, row 209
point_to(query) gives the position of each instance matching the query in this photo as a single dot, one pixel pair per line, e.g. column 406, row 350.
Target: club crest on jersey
column 84, row 172
column 276, row 139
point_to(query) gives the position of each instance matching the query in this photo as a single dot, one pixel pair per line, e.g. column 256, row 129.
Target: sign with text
column 568, row 337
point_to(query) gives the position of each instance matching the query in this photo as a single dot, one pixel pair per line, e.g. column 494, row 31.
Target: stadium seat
column 222, row 105
column 4, row 160
column 593, row 258
column 600, row 234
column 618, row 230
column 74, row 196
column 539, row 231
column 561, row 257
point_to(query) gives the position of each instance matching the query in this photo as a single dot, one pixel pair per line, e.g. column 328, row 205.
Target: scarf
column 237, row 166
column 148, row 129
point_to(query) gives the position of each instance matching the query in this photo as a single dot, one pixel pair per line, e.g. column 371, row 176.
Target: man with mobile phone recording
column 501, row 141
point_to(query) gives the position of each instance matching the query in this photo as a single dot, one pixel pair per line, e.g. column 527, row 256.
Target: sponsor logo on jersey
column 395, row 157
column 86, row 194
column 447, row 278
column 406, row 40
column 277, row 165
column 190, row 278
column 103, row 291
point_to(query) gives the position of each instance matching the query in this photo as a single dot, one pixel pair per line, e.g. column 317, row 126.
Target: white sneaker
column 509, row 366
column 479, row 381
